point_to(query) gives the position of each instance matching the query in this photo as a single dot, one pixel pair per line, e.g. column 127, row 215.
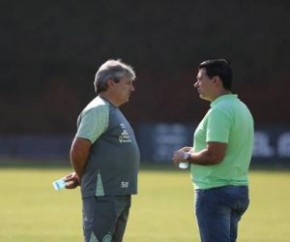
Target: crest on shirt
column 124, row 137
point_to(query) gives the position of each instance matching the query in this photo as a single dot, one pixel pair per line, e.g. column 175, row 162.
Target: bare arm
column 213, row 154
column 79, row 154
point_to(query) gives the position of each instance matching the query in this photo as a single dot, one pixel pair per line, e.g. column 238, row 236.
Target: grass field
column 32, row 211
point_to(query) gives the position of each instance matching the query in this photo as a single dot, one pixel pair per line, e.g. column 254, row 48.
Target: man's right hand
column 72, row 181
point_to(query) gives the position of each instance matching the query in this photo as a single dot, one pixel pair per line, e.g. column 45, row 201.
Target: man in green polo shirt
column 105, row 155
column 220, row 155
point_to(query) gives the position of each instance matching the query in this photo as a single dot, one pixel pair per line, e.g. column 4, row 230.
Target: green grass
column 32, row 211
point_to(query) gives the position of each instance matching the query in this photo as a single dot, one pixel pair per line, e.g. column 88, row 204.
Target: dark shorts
column 105, row 218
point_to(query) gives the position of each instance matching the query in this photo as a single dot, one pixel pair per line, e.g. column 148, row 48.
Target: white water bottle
column 184, row 165
column 59, row 184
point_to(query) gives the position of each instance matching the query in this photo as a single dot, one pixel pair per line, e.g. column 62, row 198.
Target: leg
column 235, row 218
column 239, row 208
column 99, row 217
column 218, row 211
column 213, row 216
column 123, row 204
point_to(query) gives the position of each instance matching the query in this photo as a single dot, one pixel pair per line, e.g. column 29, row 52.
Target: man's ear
column 111, row 83
column 217, row 81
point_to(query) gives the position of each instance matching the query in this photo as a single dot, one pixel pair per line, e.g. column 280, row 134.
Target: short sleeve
column 219, row 125
column 93, row 122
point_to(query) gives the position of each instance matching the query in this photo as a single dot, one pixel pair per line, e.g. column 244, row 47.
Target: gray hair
column 112, row 70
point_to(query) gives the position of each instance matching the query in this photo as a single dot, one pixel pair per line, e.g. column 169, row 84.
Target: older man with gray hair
column 105, row 155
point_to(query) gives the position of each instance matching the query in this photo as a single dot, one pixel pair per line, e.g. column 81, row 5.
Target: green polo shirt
column 228, row 121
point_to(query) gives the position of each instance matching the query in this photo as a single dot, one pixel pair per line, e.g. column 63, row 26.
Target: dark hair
column 220, row 68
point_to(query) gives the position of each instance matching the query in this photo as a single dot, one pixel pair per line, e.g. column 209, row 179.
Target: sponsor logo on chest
column 124, row 137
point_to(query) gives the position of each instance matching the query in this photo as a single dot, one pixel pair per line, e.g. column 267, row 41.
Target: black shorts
column 105, row 218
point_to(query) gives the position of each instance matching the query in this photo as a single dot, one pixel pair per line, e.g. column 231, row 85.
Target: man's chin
column 126, row 100
column 203, row 97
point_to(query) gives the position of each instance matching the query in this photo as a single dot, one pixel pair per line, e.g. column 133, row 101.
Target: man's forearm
column 79, row 154
column 78, row 164
column 211, row 155
column 202, row 158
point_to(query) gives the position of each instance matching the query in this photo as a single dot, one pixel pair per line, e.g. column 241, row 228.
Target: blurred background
column 50, row 51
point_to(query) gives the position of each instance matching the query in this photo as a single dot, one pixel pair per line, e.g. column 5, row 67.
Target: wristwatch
column 186, row 156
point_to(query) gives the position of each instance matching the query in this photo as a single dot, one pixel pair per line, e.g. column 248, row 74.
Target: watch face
column 186, row 156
